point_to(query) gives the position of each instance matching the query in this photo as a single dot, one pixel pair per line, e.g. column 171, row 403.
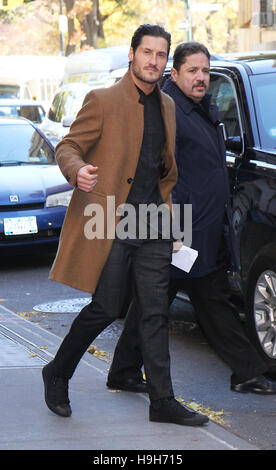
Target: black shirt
column 145, row 188
column 145, row 185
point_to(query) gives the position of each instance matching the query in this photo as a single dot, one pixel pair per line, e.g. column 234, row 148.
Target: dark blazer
column 202, row 179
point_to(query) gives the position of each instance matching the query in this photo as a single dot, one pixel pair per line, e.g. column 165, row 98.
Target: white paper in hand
column 184, row 258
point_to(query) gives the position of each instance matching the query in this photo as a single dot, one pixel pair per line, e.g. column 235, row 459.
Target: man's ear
column 173, row 74
column 131, row 54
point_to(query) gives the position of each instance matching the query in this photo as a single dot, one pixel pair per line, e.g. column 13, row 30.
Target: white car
column 65, row 105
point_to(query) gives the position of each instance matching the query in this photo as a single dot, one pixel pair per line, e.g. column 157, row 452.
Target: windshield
column 9, row 91
column 66, row 103
column 32, row 112
column 22, row 143
column 264, row 90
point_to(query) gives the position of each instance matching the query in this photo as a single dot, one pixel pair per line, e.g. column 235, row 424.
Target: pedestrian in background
column 121, row 144
column 203, row 182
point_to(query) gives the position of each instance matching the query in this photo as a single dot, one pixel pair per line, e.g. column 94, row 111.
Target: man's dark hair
column 185, row 49
column 149, row 30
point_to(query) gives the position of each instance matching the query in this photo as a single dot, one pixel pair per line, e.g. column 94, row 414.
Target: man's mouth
column 151, row 69
column 200, row 85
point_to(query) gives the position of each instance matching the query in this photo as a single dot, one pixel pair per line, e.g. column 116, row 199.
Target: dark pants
column 148, row 266
column 217, row 318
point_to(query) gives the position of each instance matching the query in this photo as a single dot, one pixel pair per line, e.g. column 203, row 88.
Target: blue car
column 34, row 195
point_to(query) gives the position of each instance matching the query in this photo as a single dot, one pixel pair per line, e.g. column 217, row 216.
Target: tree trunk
column 92, row 26
column 71, row 46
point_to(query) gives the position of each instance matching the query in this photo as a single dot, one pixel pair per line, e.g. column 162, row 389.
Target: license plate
column 20, row 225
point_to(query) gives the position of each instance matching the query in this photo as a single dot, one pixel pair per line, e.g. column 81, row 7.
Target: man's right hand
column 87, row 178
column 177, row 245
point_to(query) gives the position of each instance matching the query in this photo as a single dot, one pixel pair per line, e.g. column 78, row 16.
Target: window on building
column 266, row 13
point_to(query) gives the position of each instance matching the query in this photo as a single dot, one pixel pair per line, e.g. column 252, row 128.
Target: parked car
column 28, row 109
column 83, row 72
column 65, row 105
column 244, row 89
column 34, row 195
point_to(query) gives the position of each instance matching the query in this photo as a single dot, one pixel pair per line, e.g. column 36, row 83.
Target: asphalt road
column 200, row 378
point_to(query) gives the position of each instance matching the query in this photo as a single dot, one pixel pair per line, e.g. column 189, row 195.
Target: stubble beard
column 139, row 75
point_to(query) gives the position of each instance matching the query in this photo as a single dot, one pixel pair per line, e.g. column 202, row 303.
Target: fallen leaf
column 216, row 416
column 26, row 314
column 102, row 355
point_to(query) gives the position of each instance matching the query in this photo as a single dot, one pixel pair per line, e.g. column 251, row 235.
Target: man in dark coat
column 203, row 182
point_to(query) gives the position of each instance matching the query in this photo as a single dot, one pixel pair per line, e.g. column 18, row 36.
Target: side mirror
column 67, row 121
column 234, row 143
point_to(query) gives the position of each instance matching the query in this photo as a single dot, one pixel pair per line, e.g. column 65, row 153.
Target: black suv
column 244, row 89
column 245, row 92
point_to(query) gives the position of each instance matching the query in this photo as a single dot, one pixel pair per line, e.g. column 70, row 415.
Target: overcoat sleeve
column 84, row 133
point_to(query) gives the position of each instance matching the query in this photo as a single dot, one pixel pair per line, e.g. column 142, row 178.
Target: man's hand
column 87, row 178
column 177, row 245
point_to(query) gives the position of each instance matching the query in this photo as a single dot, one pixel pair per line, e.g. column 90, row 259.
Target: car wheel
column 261, row 307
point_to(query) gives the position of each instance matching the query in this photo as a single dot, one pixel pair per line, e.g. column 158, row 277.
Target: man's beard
column 136, row 72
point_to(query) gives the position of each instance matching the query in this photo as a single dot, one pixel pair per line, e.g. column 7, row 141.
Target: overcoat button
column 130, row 180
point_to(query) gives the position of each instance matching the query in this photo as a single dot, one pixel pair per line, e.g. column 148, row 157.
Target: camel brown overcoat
column 106, row 133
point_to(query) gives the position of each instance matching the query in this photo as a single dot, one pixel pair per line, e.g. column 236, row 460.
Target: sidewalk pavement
column 101, row 419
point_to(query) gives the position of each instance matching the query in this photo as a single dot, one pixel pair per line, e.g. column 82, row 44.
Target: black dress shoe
column 169, row 410
column 270, row 374
column 260, row 385
column 129, row 385
column 56, row 392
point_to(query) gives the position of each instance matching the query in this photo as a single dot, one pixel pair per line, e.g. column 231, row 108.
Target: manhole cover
column 74, row 306
column 63, row 306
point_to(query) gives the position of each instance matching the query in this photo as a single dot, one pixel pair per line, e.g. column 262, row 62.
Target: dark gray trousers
column 217, row 318
column 147, row 265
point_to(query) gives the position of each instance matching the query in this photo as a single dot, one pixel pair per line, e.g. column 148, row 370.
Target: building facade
column 257, row 25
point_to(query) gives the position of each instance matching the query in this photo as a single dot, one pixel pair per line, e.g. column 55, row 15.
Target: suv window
column 66, row 103
column 265, row 101
column 223, row 96
column 53, row 111
column 71, row 103
column 9, row 91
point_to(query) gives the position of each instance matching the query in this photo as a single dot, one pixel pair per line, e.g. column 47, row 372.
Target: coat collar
column 186, row 104
column 131, row 90
column 128, row 87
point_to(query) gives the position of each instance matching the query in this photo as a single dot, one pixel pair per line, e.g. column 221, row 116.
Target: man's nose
column 200, row 75
column 153, row 59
